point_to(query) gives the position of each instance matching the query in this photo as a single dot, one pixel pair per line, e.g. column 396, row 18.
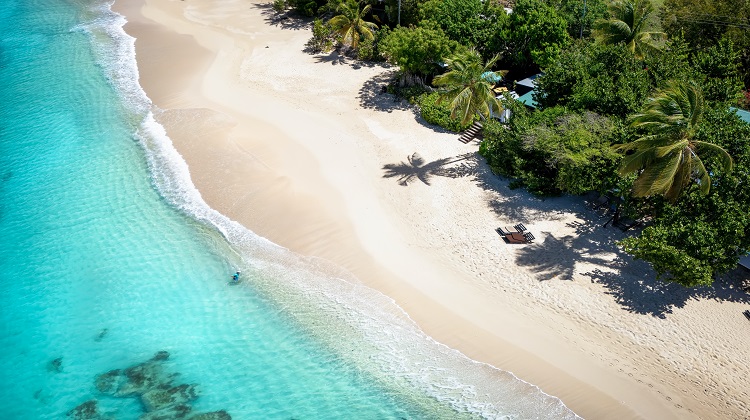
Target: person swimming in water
column 236, row 277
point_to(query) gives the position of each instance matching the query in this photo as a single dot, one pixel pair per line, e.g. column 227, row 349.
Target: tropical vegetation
column 634, row 98
column 627, row 25
column 666, row 157
column 466, row 86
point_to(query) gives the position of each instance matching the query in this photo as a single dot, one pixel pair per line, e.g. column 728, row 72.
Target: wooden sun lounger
column 747, row 314
column 516, row 238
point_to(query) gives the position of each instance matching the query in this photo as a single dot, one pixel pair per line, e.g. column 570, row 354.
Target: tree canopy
column 627, row 25
column 417, row 50
column 351, row 24
column 667, row 157
column 466, row 88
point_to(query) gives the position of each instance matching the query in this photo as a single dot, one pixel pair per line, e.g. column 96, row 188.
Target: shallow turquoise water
column 108, row 255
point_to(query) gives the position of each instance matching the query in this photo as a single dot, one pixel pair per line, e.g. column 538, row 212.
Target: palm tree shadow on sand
column 416, row 168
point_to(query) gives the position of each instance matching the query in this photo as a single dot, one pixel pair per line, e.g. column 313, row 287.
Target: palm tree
column 467, row 87
column 350, row 24
column 667, row 157
column 627, row 25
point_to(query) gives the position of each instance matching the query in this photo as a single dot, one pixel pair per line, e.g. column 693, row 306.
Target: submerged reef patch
column 154, row 386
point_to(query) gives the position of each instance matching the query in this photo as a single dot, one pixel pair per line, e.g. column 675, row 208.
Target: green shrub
column 304, row 7
column 279, row 5
column 323, row 37
column 439, row 114
column 365, row 50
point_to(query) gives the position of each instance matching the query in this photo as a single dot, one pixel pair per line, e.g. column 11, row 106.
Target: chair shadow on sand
column 416, row 168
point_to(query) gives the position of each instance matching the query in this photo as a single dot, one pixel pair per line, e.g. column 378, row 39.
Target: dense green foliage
column 554, row 151
column 323, row 37
column 605, row 79
column 667, row 157
column 692, row 240
column 351, row 24
column 628, row 25
column 536, row 35
column 439, row 113
column 465, row 87
column 580, row 15
column 704, row 23
column 417, row 50
column 471, row 23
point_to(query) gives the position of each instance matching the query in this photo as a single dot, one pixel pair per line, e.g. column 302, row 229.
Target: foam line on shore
column 392, row 348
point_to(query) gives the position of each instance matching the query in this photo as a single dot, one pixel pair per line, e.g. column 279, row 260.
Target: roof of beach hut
column 492, row 76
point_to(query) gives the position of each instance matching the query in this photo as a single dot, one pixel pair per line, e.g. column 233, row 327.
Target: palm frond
column 668, row 155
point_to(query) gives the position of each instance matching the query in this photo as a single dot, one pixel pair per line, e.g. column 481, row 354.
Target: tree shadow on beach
column 645, row 294
column 557, row 257
column 631, row 283
column 334, row 58
column 284, row 20
column 372, row 95
column 416, row 168
column 341, row 57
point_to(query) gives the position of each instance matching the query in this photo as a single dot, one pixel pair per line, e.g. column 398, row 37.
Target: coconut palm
column 467, row 86
column 350, row 24
column 667, row 157
column 627, row 25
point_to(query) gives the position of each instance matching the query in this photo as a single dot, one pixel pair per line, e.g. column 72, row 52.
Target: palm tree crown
column 668, row 154
column 469, row 92
column 350, row 24
column 627, row 25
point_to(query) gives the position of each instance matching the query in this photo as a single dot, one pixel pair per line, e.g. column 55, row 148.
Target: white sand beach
column 304, row 150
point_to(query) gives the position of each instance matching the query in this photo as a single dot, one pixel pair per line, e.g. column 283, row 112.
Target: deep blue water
column 108, row 256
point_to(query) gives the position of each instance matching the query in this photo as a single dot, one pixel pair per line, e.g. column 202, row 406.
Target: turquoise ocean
column 108, row 255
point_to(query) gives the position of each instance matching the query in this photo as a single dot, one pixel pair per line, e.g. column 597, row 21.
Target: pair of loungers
column 520, row 236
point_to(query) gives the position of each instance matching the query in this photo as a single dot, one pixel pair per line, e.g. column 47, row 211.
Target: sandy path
column 302, row 149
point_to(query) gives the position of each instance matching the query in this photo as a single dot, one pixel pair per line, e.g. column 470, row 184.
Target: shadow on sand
column 416, row 168
column 284, row 20
column 631, row 283
column 372, row 96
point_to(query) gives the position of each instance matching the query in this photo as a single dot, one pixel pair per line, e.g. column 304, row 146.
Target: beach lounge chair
column 528, row 236
column 501, row 232
column 520, row 227
column 516, row 238
column 747, row 314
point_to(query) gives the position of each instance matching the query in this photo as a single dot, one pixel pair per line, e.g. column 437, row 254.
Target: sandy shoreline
column 309, row 137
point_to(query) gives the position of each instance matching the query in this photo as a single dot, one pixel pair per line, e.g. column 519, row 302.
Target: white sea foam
column 340, row 312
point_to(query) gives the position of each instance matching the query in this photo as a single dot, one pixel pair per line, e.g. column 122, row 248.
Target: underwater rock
column 169, row 413
column 143, row 377
column 87, row 411
column 214, row 415
column 158, row 399
column 109, row 382
column 55, row 365
column 101, row 335
column 161, row 355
